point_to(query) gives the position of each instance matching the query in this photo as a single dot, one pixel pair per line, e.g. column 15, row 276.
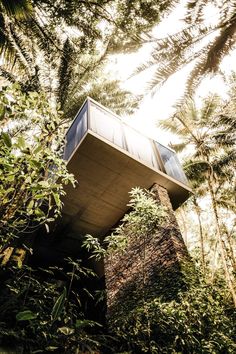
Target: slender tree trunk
column 184, row 230
column 230, row 247
column 220, row 240
column 198, row 212
column 215, row 259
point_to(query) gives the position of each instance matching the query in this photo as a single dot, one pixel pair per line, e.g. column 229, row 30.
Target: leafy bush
column 32, row 172
column 40, row 313
column 200, row 321
column 183, row 314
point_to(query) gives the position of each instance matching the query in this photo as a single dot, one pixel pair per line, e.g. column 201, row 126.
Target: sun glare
column 161, row 104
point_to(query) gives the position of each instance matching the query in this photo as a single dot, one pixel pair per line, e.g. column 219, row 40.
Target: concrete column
column 148, row 267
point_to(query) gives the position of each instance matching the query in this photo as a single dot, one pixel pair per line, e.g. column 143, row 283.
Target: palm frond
column 47, row 40
column 225, row 120
column 198, row 43
column 226, row 160
column 6, row 49
column 195, row 170
column 209, row 107
column 17, row 8
column 7, row 75
column 220, row 47
column 23, row 53
column 108, row 93
column 172, row 125
column 194, row 11
column 179, row 147
column 65, row 72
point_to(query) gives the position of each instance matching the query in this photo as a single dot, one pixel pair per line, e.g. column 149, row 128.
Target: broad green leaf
column 30, row 205
column 39, row 196
column 26, row 315
column 35, row 163
column 57, row 199
column 85, row 323
column 37, row 149
column 51, row 348
column 44, row 184
column 7, row 139
column 66, row 330
column 39, row 212
column 58, row 306
column 28, row 180
column 21, row 142
column 2, row 111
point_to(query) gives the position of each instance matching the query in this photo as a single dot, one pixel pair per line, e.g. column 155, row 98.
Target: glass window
column 140, row 146
column 106, row 125
column 76, row 132
column 171, row 163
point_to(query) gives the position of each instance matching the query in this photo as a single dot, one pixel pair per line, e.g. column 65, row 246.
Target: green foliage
column 200, row 321
column 179, row 315
column 73, row 42
column 208, row 137
column 59, row 305
column 203, row 41
column 25, row 315
column 144, row 217
column 38, row 314
column 32, row 173
column 18, row 9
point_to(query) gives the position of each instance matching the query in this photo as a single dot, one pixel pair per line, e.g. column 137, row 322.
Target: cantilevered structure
column 109, row 158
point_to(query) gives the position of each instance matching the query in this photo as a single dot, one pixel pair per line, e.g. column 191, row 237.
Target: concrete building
column 109, row 158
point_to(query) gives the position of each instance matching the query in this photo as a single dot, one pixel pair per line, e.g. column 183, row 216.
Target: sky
column 160, row 105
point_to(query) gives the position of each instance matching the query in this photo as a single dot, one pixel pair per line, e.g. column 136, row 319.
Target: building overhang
column 106, row 174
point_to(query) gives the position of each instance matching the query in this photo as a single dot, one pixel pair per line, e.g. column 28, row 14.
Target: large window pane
column 140, row 146
column 171, row 163
column 76, row 132
column 106, row 125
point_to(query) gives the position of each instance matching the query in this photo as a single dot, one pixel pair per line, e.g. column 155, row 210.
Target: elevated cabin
column 109, row 158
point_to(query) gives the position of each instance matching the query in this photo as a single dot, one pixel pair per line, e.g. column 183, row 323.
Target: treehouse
column 109, row 158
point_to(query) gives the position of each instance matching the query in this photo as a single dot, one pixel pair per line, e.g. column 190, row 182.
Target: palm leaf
column 17, row 8
column 195, row 170
column 172, row 125
column 220, row 47
column 194, row 11
column 210, row 105
column 179, row 147
column 65, row 72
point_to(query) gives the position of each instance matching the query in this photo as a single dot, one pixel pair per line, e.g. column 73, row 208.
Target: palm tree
column 61, row 48
column 199, row 42
column 11, row 12
column 209, row 136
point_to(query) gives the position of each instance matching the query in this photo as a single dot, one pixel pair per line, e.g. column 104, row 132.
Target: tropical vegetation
column 53, row 55
column 206, row 37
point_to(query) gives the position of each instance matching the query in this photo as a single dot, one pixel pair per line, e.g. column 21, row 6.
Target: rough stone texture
column 147, row 266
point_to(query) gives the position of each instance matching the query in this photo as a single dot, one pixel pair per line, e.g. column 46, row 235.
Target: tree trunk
column 184, row 229
column 230, row 247
column 197, row 209
column 220, row 240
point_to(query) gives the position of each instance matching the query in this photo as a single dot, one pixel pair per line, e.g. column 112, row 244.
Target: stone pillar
column 148, row 266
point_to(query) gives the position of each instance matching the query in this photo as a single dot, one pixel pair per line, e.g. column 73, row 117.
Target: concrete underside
column 105, row 175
